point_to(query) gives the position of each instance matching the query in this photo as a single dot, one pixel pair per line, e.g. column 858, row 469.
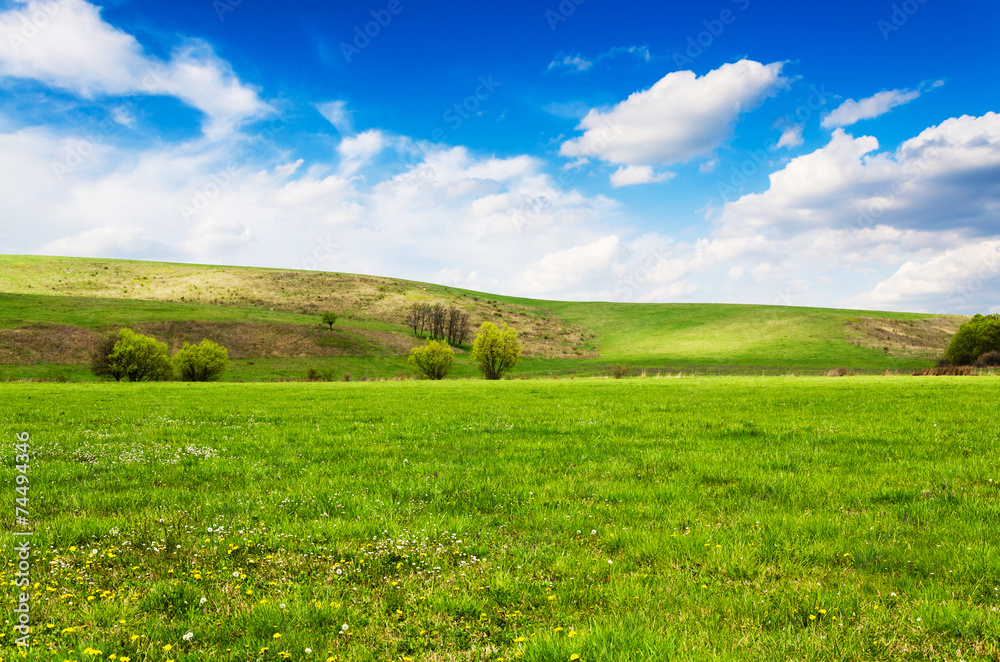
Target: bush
column 204, row 362
column 988, row 360
column 330, row 318
column 619, row 371
column 100, row 356
column 132, row 356
column 978, row 336
column 496, row 350
column 314, row 375
column 433, row 360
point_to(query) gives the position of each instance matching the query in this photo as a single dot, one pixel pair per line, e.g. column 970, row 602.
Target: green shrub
column 976, row 337
column 330, row 318
column 204, row 362
column 433, row 360
column 496, row 350
column 100, row 356
column 133, row 357
column 619, row 371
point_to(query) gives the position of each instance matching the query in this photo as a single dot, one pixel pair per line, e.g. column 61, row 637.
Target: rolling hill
column 52, row 308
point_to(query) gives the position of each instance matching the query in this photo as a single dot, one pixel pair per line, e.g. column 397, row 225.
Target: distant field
column 689, row 519
column 52, row 308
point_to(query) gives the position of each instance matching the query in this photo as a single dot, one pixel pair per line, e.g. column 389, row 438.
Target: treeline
column 438, row 322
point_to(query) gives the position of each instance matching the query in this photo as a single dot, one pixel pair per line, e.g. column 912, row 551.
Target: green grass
column 643, row 519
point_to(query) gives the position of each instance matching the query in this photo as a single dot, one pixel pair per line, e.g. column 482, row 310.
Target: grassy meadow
column 711, row 518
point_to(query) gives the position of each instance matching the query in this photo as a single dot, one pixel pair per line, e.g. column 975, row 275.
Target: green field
column 712, row 518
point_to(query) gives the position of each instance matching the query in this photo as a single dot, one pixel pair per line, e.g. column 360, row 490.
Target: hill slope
column 51, row 308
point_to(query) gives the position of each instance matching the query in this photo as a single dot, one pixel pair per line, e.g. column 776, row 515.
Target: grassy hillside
column 52, row 308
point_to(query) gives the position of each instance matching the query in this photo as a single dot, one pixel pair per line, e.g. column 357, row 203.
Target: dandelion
column 203, row 601
column 344, row 627
column 188, row 636
column 277, row 635
column 593, row 532
column 167, row 647
column 309, row 650
column 519, row 640
column 574, row 656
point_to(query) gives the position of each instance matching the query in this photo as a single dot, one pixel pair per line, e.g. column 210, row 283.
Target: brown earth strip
column 244, row 340
column 920, row 338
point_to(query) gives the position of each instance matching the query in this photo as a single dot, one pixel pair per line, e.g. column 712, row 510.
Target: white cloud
column 791, row 136
column 566, row 269
column 681, row 117
column 107, row 241
column 579, row 63
column 572, row 62
column 631, row 175
column 964, row 278
column 76, row 51
column 852, row 111
column 336, row 113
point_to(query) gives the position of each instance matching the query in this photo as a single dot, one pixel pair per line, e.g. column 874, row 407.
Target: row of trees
column 495, row 350
column 439, row 323
column 125, row 354
column 977, row 341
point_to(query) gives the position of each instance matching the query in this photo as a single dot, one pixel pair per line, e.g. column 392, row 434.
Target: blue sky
column 823, row 154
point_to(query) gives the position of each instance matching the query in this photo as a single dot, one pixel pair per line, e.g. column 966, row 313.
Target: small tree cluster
column 204, row 362
column 433, row 360
column 496, row 350
column 330, row 318
column 439, row 323
column 125, row 354
column 977, row 337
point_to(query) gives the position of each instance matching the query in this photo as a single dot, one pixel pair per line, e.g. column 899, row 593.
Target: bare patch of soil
column 920, row 338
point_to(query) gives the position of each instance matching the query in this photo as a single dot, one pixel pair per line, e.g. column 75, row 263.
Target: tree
column 100, row 356
column 433, row 360
column 132, row 356
column 976, row 337
column 496, row 350
column 330, row 318
column 204, row 362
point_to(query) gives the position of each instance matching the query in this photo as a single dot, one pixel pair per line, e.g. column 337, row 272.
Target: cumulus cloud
column 75, row 50
column 681, row 117
column 852, row 111
column 791, row 136
column 631, row 175
column 963, row 278
column 566, row 269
